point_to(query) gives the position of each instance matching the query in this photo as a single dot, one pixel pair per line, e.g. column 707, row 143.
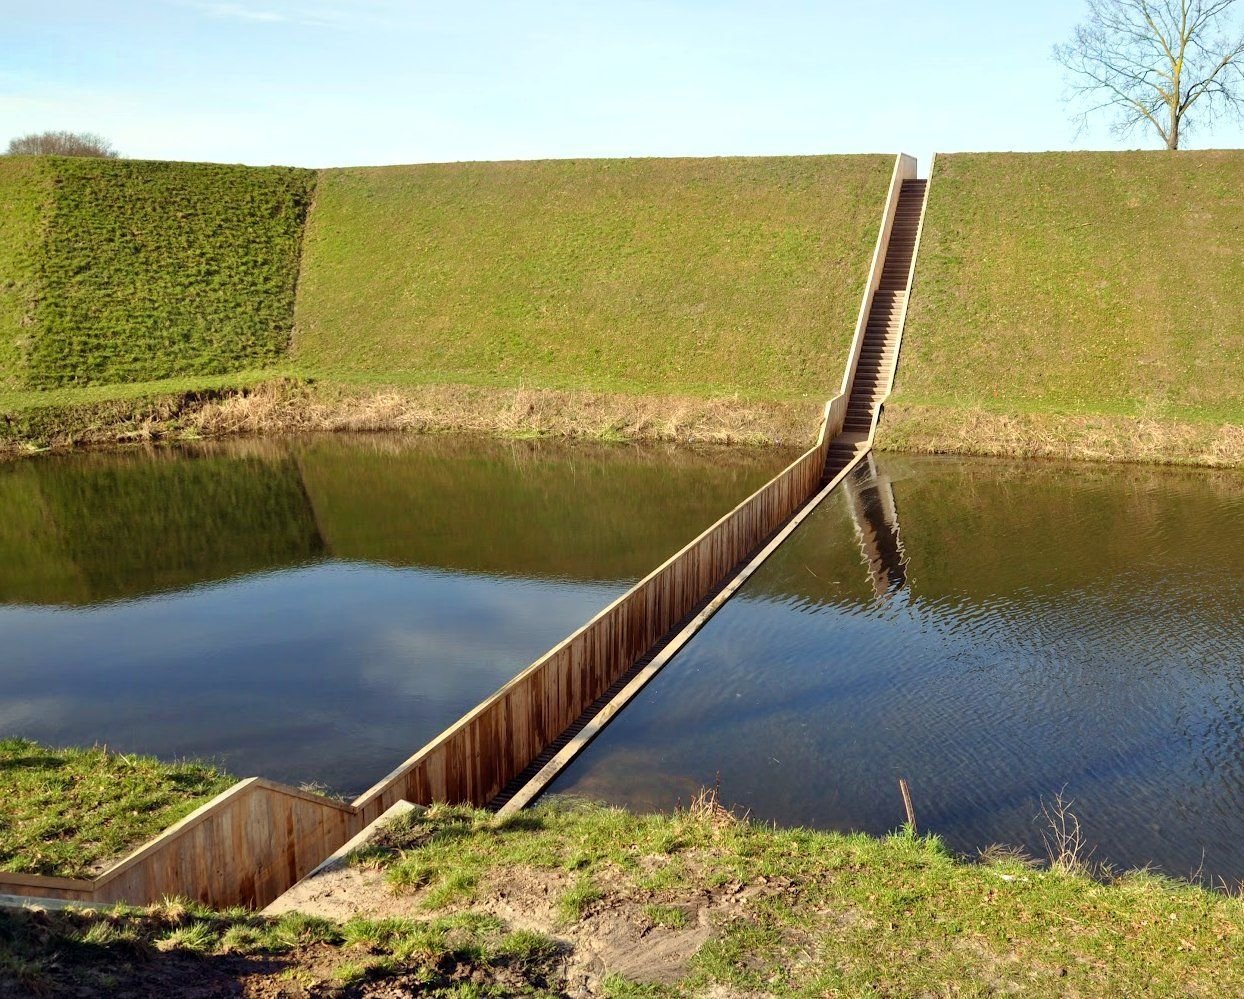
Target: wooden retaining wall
column 257, row 839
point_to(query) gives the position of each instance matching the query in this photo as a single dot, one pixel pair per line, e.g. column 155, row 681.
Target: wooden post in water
column 905, row 791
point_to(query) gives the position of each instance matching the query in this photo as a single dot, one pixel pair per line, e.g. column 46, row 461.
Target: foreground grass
column 163, row 949
column 832, row 914
column 792, row 913
column 1081, row 284
column 68, row 811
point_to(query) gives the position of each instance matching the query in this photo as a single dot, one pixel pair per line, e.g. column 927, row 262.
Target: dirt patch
column 615, row 934
column 342, row 892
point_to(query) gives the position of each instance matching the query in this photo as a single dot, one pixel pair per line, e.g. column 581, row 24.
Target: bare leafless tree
column 1155, row 61
column 62, row 144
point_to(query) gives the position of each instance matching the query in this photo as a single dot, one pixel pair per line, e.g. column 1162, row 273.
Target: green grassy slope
column 147, row 270
column 69, row 811
column 1081, row 283
column 25, row 185
column 666, row 276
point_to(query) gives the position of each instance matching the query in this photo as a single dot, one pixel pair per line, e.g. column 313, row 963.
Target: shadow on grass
column 98, row 954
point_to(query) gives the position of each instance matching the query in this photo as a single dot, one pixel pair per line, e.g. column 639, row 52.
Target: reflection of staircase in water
column 870, row 499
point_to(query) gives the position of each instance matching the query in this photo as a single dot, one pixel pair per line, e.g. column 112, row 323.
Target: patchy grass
column 156, row 950
column 834, row 914
column 701, row 277
column 25, row 189
column 68, row 812
column 148, row 270
column 666, row 915
column 1073, row 285
column 791, row 913
column 575, row 901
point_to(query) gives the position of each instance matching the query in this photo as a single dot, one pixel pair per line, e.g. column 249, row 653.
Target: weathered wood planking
column 254, row 841
column 475, row 758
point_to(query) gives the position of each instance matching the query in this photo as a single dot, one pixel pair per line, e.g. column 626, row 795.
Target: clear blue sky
column 332, row 82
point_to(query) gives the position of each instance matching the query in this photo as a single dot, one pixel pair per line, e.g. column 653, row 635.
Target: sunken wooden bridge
column 257, row 839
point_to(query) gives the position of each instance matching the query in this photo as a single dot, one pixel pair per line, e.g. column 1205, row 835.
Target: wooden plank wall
column 258, row 838
column 254, row 841
column 475, row 758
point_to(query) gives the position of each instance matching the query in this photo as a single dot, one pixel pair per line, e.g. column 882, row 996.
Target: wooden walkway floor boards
column 257, row 839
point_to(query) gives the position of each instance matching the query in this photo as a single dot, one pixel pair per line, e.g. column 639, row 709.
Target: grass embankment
column 127, row 271
column 702, row 277
column 573, row 901
column 696, row 300
column 25, row 191
column 68, row 812
column 1078, row 305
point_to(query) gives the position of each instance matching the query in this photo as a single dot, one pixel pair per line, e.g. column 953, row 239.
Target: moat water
column 995, row 632
column 316, row 610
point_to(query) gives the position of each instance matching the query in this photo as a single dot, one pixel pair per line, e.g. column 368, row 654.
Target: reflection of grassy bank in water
column 87, row 528
column 110, row 526
column 68, row 812
column 563, row 512
column 559, row 900
column 173, row 411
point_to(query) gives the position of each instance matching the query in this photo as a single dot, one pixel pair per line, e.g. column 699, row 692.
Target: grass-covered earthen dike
column 1068, row 304
column 507, row 272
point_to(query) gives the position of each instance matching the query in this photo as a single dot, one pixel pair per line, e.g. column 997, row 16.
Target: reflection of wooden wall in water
column 870, row 499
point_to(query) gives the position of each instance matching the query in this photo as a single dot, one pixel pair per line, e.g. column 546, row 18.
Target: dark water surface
column 992, row 631
column 316, row 610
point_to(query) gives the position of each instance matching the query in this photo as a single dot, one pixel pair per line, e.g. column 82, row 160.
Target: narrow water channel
column 315, row 610
column 995, row 632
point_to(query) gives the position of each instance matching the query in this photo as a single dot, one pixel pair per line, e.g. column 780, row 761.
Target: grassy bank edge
column 267, row 402
column 69, row 812
column 766, row 911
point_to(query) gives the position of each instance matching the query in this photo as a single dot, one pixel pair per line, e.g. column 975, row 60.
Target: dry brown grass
column 287, row 406
column 509, row 412
column 944, row 430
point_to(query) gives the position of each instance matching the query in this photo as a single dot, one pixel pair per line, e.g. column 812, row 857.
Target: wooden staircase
column 874, row 373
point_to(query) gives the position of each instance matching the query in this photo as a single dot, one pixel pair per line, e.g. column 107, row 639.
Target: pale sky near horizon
column 337, row 82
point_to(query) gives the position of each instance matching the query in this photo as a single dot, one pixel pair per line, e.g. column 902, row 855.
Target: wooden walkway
column 257, row 839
